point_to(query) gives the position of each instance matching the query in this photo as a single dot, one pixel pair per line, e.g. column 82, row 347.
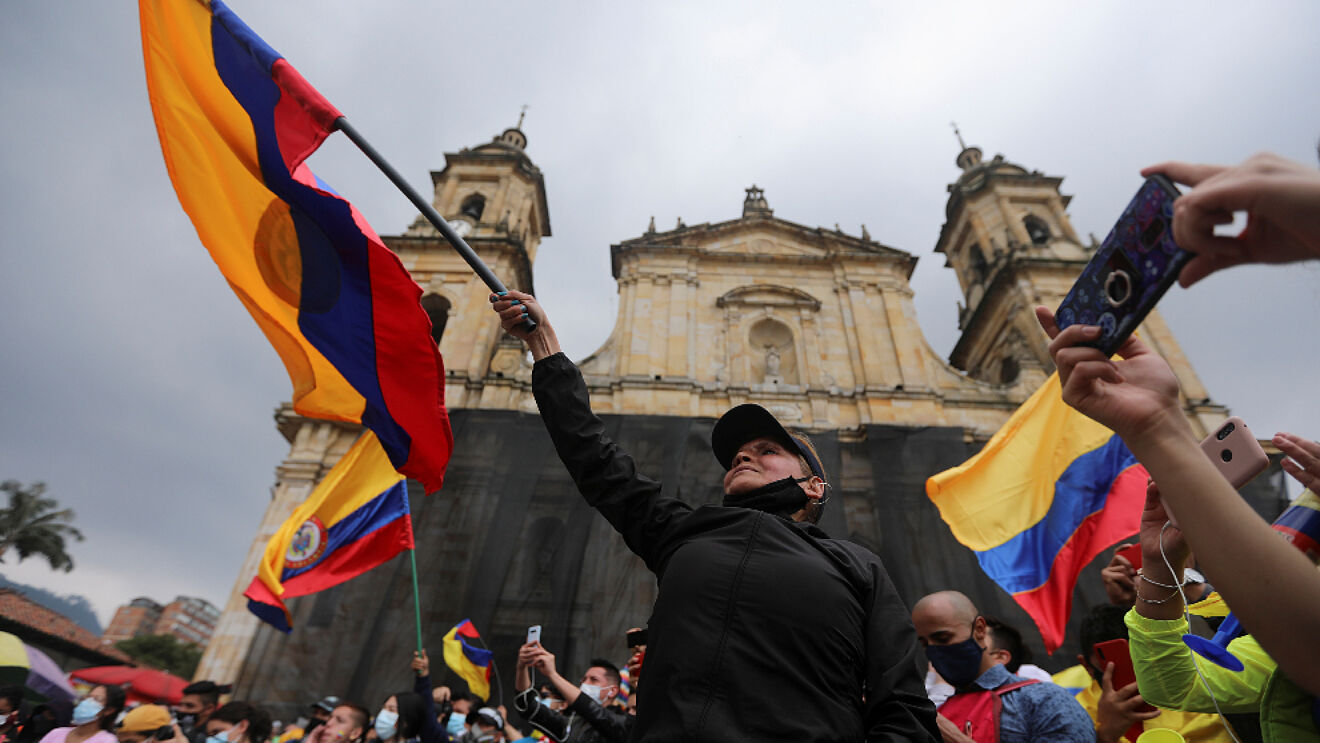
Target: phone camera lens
column 1225, row 431
column 1226, row 455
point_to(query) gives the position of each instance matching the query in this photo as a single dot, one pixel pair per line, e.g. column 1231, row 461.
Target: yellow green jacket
column 1167, row 679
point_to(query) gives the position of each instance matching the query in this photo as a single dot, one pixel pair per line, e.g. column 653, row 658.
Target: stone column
column 982, row 236
column 1013, row 221
column 851, row 333
column 1061, row 215
column 905, row 334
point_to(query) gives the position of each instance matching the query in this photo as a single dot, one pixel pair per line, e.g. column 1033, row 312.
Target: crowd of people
column 596, row 708
column 764, row 628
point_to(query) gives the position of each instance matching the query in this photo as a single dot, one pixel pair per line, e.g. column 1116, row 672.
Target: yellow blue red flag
column 471, row 663
column 1049, row 492
column 236, row 122
column 355, row 519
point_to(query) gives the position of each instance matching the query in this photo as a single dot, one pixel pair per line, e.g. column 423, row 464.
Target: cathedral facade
column 814, row 324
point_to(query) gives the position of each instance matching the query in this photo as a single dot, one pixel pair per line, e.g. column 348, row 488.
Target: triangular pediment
column 762, row 242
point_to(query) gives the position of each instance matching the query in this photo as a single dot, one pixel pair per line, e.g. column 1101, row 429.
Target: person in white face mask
column 238, row 722
column 588, row 715
column 409, row 716
column 93, row 718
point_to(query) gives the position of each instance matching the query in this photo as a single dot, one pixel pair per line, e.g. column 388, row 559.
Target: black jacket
column 763, row 628
column 586, row 721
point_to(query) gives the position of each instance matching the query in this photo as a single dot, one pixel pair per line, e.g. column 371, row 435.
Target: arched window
column 979, row 266
column 1037, row 230
column 1008, row 370
column 437, row 308
column 473, row 206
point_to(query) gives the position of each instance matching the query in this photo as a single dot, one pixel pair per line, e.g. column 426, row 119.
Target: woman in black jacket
column 764, row 627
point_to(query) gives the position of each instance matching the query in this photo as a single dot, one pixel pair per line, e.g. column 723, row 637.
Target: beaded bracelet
column 1164, row 600
column 1143, row 576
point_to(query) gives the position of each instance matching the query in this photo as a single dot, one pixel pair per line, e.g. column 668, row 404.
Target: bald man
column 958, row 645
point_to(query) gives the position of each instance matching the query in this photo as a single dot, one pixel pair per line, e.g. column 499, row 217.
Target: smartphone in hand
column 534, row 633
column 1132, row 269
column 1133, row 554
column 1116, row 652
column 1236, row 452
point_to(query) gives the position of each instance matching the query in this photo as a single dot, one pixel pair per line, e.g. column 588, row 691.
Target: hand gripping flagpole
column 453, row 238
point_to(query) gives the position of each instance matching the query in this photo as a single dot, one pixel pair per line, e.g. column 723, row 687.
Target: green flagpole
column 417, row 600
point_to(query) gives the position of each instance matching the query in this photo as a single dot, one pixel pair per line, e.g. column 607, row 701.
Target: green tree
column 34, row 524
column 165, row 652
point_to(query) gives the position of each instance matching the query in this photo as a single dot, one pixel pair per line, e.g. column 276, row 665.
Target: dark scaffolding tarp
column 510, row 543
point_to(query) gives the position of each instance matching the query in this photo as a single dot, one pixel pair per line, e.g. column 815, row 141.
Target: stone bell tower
column 1010, row 241
column 494, row 196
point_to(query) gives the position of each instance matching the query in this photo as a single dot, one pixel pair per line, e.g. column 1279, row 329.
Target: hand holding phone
column 534, row 633
column 1116, row 652
column 1132, row 269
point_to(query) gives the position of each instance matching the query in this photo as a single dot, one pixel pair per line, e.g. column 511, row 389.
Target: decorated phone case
column 1130, row 271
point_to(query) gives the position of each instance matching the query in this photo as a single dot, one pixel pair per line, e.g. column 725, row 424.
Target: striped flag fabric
column 236, row 124
column 355, row 519
column 471, row 663
column 1049, row 492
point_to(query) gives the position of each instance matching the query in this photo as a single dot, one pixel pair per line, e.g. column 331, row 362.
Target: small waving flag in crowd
column 625, row 687
column 236, row 123
column 355, row 519
column 471, row 663
column 1049, row 492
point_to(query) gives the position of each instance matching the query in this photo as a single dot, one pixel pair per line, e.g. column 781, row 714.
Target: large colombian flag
column 471, row 663
column 236, row 122
column 355, row 519
column 1049, row 492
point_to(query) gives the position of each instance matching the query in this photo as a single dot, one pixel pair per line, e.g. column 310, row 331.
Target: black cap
column 751, row 421
column 328, row 704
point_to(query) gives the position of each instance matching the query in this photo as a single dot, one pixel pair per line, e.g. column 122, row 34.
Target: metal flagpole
column 428, row 211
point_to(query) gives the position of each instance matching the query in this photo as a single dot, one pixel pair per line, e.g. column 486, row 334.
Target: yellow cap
column 147, row 718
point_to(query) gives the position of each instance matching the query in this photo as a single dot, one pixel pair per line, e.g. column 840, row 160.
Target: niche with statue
column 772, row 356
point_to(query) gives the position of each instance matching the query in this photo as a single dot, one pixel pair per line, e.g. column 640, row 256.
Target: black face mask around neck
column 781, row 497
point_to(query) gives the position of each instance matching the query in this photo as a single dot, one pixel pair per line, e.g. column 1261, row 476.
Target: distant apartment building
column 190, row 619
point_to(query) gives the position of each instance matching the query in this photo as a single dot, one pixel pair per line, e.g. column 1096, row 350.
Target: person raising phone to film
column 1273, row 588
column 763, row 626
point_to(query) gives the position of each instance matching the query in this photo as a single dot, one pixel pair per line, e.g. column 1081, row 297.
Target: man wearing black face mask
column 990, row 703
column 764, row 627
column 200, row 699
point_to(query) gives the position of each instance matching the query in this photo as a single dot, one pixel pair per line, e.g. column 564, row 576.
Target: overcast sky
column 139, row 389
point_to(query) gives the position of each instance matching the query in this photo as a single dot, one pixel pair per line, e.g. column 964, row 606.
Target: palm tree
column 32, row 526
